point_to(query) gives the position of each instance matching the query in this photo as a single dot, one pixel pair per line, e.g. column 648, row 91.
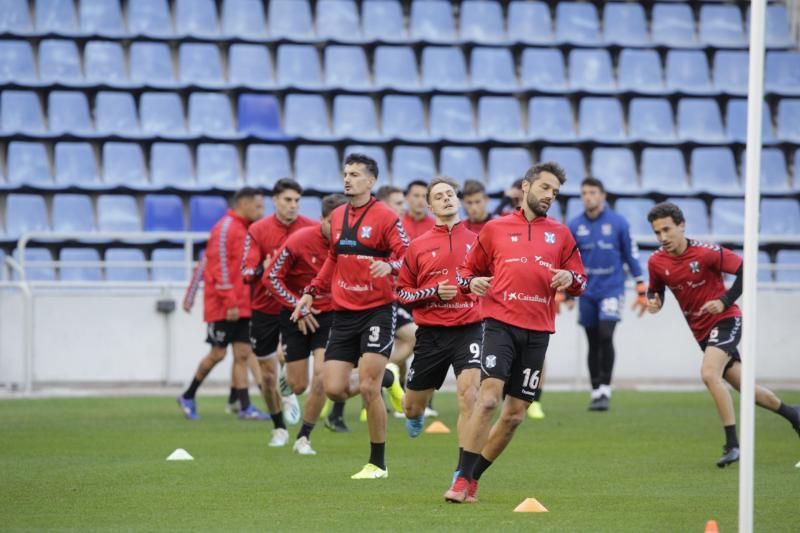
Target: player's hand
column 640, row 302
column 562, row 279
column 713, row 307
column 654, row 304
column 267, row 261
column 302, row 308
column 308, row 324
column 232, row 314
column 187, row 307
column 379, row 269
column 480, row 285
column 446, row 292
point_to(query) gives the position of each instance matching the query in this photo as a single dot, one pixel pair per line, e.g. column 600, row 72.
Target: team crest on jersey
column 605, row 229
column 313, row 259
column 583, row 231
column 694, row 266
column 549, row 237
column 433, row 253
column 366, row 232
column 514, row 237
column 491, row 361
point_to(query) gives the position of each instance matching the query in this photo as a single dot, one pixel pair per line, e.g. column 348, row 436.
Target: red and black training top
column 414, row 228
column 224, row 286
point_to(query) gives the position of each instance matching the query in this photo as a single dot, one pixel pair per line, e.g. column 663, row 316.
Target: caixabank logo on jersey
column 524, row 297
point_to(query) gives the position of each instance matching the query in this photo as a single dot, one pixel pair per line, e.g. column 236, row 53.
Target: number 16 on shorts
column 530, row 379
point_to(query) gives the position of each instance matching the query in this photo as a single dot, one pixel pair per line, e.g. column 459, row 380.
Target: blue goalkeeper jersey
column 606, row 245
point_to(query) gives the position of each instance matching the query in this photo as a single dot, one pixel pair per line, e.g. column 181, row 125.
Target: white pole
column 755, row 98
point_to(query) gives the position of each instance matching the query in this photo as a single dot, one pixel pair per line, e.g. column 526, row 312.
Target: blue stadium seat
column 673, row 25
column 69, row 113
column 125, row 272
column 764, row 267
column 21, row 112
column 290, row 19
column 56, row 16
column 788, row 119
column 16, row 62
column 250, row 65
column 305, row 115
column 600, row 118
column 796, row 179
column 72, row 212
column 298, row 66
column 782, row 74
column 162, row 114
column 444, row 68
column 777, row 32
column 787, row 258
column 780, row 216
column 543, row 68
column 164, row 272
column 149, row 17
column 529, row 22
column 200, row 65
column 640, row 71
column 59, row 62
column 218, row 166
column 505, row 166
column 555, row 211
column 625, row 24
column 383, row 20
column 726, row 216
column 699, row 119
column 375, row 152
column 650, row 119
column 104, row 63
column 75, row 164
column 244, row 19
column 550, row 118
column 266, row 163
column 696, row 215
column 118, row 213
column 730, row 71
column 115, row 113
column 687, row 71
column 205, row 211
column 499, row 118
column 318, row 168
column 151, row 64
column 635, row 212
column 721, row 25
column 101, row 17
column 28, row 164
column 591, row 70
column 774, row 177
column 713, row 170
column 432, row 20
column 36, row 273
column 210, row 114
column 338, row 19
column 410, row 163
column 82, row 272
column 403, row 117
column 197, row 18
column 577, row 23
column 163, row 212
column 736, row 118
column 171, row 165
column 395, row 66
column 346, row 67
column 664, row 171
column 311, row 207
column 15, row 17
column 259, row 115
column 451, row 118
column 482, row 22
column 493, row 69
column 24, row 213
column 571, row 160
column 460, row 163
column 574, row 208
column 123, row 164
column 616, row 167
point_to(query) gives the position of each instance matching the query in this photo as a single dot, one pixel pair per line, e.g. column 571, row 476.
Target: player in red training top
column 475, row 205
column 693, row 272
column 367, row 246
column 417, row 221
column 264, row 239
column 292, row 268
column 517, row 264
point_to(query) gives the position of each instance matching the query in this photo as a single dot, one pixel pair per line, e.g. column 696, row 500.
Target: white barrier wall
column 109, row 336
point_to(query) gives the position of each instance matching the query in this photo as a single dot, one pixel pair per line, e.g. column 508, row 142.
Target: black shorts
column 223, row 333
column 264, row 334
column 354, row 333
column 725, row 335
column 403, row 317
column 515, row 356
column 437, row 348
column 298, row 346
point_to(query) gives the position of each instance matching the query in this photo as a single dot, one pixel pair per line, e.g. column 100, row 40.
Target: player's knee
column 298, row 386
column 413, row 409
column 335, row 391
column 488, row 403
column 369, row 389
column 710, row 376
column 269, row 380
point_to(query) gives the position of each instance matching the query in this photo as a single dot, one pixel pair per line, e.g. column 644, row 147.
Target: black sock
column 277, row 420
column 192, row 390
column 244, row 398
column 468, row 461
column 790, row 414
column 377, row 453
column 460, row 454
column 305, row 430
column 232, row 395
column 731, row 441
column 480, row 467
column 388, row 378
column 337, row 411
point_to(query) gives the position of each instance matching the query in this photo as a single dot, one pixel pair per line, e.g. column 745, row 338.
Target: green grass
column 646, row 465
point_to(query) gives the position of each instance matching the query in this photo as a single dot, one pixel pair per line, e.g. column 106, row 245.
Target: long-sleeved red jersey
column 294, row 266
column 224, row 286
column 519, row 254
column 433, row 257
column 414, row 228
column 361, row 235
column 264, row 238
column 194, row 283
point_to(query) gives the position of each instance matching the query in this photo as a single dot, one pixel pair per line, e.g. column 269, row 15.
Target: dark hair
column 552, row 167
column 385, row 191
column 436, row 181
column 517, row 184
column 593, row 182
column 666, row 210
column 367, row 161
column 331, row 202
column 416, row 183
column 286, row 184
column 246, row 192
column 473, row 187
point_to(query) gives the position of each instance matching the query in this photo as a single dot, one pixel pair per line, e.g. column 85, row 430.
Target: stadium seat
column 591, row 70
column 699, row 120
column 298, row 66
column 210, row 114
column 687, row 71
column 640, row 71
column 16, row 62
column 451, row 118
column 346, row 67
column 218, row 166
column 259, row 115
column 25, row 213
column 625, row 24
column 318, row 168
column 635, row 212
column 577, row 23
column 305, row 115
column 461, row 163
column 28, row 164
column 151, row 64
column 266, row 163
column 788, row 118
column 383, row 21
column 126, row 272
column 123, row 164
column 600, row 118
column 82, row 272
column 493, row 69
column 196, row 18
column 69, row 113
column 797, row 170
column 791, row 259
column 250, row 65
column 721, row 25
column 780, row 216
column 311, row 207
column 72, row 213
column 432, row 21
column 395, row 66
column 164, row 272
column 713, row 170
column 410, row 163
column 171, row 165
column 673, row 25
column 664, row 171
column 104, row 63
column 499, row 118
column 56, row 16
column 543, row 68
column 149, row 17
column 290, row 19
column 117, row 213
column 338, row 19
column 774, row 178
column 375, row 152
column 505, row 166
column 730, row 71
column 550, row 118
column 574, row 209
column 163, row 212
column 115, row 113
column 162, row 114
column 782, row 72
column 75, row 164
column 616, row 167
column 696, row 215
column 529, row 22
column 101, row 17
column 403, row 117
column 555, row 211
column 726, row 216
column 444, row 68
column 35, row 273
column 736, row 118
column 571, row 160
column 650, row 120
column 777, row 32
column 244, row 19
column 482, row 22
column 200, row 65
column 59, row 62
column 15, row 17
column 205, row 211
column 764, row 267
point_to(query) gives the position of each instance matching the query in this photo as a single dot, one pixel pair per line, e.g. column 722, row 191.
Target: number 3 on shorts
column 530, row 381
column 374, row 333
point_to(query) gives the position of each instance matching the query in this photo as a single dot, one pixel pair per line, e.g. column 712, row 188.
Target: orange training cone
column 530, row 505
column 711, row 527
column 437, row 427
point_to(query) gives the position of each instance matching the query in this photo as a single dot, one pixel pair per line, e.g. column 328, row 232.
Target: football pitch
column 646, row 465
